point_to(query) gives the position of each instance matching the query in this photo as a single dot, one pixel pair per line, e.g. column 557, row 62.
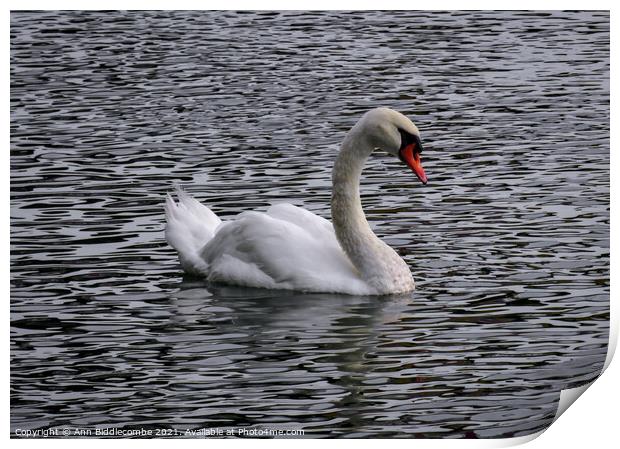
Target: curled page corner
column 567, row 397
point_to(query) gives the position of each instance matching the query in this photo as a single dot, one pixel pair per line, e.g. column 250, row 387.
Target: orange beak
column 412, row 159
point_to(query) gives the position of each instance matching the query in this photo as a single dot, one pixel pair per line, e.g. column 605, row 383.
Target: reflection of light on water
column 508, row 243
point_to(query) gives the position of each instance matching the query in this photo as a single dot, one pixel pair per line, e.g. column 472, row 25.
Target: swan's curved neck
column 365, row 250
column 347, row 210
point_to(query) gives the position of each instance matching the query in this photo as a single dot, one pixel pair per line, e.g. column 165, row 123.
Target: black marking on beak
column 418, row 144
column 408, row 138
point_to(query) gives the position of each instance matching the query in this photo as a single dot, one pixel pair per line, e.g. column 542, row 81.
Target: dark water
column 508, row 243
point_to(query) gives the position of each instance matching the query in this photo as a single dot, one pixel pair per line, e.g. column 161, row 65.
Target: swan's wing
column 286, row 247
column 311, row 223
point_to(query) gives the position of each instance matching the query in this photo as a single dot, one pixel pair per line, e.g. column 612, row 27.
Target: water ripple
column 509, row 241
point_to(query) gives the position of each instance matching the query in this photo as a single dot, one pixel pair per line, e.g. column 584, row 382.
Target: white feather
column 189, row 226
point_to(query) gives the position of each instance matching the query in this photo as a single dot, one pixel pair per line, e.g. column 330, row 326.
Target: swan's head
column 394, row 133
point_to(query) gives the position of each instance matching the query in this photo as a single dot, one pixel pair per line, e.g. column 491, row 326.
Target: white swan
column 288, row 247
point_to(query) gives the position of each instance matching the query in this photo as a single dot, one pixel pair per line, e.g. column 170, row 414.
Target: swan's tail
column 189, row 226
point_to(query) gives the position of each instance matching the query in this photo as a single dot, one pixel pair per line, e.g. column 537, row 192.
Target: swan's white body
column 288, row 247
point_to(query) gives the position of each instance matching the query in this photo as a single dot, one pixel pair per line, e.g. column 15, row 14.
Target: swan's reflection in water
column 292, row 347
column 347, row 365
